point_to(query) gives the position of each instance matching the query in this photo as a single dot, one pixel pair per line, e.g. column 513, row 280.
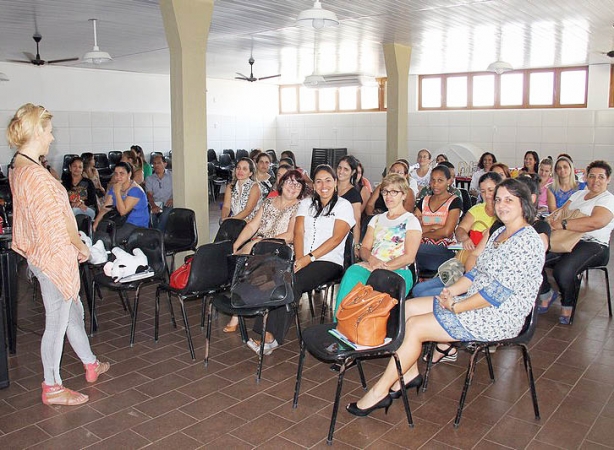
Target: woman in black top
column 346, row 186
column 81, row 190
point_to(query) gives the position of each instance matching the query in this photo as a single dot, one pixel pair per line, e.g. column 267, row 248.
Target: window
column 564, row 87
column 299, row 99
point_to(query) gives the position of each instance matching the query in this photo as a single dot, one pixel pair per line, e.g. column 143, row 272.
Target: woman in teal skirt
column 391, row 241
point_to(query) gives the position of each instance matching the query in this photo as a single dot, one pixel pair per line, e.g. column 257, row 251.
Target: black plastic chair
column 84, row 223
column 467, row 204
column 225, row 167
column 477, row 347
column 230, row 230
column 230, row 152
column 215, row 182
column 151, row 242
column 328, row 298
column 180, row 234
column 208, row 275
column 604, row 269
column 222, row 302
column 211, row 156
column 323, row 346
column 242, row 153
column 101, row 161
column 115, row 156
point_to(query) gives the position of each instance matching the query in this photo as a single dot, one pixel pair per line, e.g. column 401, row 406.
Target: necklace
column 27, row 157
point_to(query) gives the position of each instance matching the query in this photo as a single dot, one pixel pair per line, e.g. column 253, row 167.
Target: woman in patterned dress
column 242, row 197
column 490, row 302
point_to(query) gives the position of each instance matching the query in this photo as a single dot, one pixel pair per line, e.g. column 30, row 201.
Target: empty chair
column 115, row 156
column 225, row 167
column 230, row 152
column 209, row 274
column 151, row 242
column 215, row 182
column 230, row 230
column 322, row 345
column 180, row 234
column 211, row 156
column 101, row 161
column 242, row 153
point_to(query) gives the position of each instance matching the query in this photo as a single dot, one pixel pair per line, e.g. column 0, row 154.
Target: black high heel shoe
column 416, row 382
column 385, row 403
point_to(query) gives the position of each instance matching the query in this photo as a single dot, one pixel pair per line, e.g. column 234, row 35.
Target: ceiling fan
column 251, row 77
column 36, row 60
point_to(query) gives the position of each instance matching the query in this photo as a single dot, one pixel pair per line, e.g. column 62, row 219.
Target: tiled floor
column 155, row 396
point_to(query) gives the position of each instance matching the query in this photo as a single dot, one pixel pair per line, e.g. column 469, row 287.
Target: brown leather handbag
column 363, row 315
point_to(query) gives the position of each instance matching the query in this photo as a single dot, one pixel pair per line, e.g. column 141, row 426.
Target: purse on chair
column 265, row 280
column 363, row 315
column 563, row 241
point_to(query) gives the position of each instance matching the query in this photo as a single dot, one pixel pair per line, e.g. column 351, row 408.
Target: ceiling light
column 96, row 56
column 3, row 77
column 500, row 67
column 317, row 17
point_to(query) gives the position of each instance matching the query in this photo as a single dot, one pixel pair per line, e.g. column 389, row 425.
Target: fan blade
column 241, row 78
column 62, row 60
column 270, row 76
column 240, row 74
column 19, row 61
column 29, row 55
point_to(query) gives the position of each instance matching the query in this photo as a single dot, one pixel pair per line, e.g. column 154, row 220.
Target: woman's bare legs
column 419, row 328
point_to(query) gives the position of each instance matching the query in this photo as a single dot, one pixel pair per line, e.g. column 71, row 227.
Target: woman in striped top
column 45, row 233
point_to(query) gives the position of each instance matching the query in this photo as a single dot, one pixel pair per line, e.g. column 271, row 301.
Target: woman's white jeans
column 62, row 317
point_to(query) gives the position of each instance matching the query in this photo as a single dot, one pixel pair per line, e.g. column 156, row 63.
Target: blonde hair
column 572, row 175
column 397, row 180
column 27, row 121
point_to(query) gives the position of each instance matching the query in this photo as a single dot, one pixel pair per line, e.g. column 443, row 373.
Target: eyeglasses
column 392, row 192
column 292, row 183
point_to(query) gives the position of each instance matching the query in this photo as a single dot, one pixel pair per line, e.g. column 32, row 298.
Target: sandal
column 565, row 319
column 59, row 395
column 544, row 309
column 93, row 370
column 230, row 328
column 447, row 355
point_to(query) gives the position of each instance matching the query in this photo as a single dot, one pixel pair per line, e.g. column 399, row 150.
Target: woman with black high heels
column 488, row 303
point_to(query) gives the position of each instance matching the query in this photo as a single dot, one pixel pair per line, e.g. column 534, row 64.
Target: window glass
column 456, row 92
column 484, row 90
column 511, row 89
column 307, row 99
column 288, row 99
column 327, row 99
column 431, row 92
column 573, row 87
column 369, row 97
column 541, row 88
column 348, row 98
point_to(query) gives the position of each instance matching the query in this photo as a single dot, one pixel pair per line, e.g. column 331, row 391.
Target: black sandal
column 446, row 355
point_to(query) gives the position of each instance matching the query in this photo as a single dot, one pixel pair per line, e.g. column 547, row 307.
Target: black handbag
column 264, row 280
column 114, row 216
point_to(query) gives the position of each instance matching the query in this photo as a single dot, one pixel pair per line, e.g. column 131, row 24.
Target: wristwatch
column 564, row 224
column 312, row 258
column 454, row 302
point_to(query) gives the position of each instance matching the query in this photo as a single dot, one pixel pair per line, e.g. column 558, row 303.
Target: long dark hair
column 67, row 176
column 523, row 193
column 484, row 155
column 535, row 158
column 353, row 163
column 316, row 203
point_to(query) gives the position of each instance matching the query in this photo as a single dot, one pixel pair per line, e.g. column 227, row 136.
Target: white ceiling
column 445, row 35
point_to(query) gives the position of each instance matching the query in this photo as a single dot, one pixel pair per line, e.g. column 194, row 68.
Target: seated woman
column 322, row 225
column 594, row 246
column 288, row 154
column 142, row 161
column 275, row 219
column 263, row 176
column 564, row 184
column 130, row 156
column 502, row 169
column 438, row 215
column 363, row 185
column 422, row 174
column 531, row 162
column 242, row 197
column 281, row 171
column 545, row 180
column 484, row 164
column 489, row 303
column 470, row 230
column 391, row 241
column 377, row 205
column 346, row 179
column 81, row 191
column 129, row 199
column 90, row 172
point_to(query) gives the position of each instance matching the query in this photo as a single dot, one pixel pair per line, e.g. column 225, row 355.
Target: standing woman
column 45, row 233
column 564, row 184
column 346, row 179
column 81, row 191
column 422, row 174
column 531, row 162
column 438, row 214
column 322, row 224
column 263, row 176
column 242, row 196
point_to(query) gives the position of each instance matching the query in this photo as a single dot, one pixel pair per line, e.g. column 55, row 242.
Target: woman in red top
column 45, row 233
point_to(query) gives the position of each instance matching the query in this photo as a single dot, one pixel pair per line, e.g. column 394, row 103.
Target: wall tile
column 525, row 135
column 143, row 135
column 529, row 118
column 605, row 118
column 123, row 135
column 143, row 120
column 101, row 119
column 555, row 118
column 580, row 135
column 80, row 119
column 80, row 136
column 551, row 135
column 580, row 118
column 604, row 135
column 102, row 135
column 123, row 120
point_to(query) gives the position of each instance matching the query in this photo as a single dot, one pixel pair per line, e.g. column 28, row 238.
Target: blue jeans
column 159, row 220
column 430, row 256
column 428, row 288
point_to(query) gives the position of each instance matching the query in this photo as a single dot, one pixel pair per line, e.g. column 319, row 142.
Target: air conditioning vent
column 338, row 80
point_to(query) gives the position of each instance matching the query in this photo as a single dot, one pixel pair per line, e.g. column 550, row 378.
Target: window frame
column 557, row 71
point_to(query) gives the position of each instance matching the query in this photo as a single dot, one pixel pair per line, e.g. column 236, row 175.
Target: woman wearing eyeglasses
column 391, row 241
column 594, row 246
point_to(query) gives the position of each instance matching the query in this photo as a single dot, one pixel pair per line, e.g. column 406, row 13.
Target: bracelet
column 454, row 302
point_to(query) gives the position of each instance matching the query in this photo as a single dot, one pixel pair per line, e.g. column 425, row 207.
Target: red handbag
column 179, row 278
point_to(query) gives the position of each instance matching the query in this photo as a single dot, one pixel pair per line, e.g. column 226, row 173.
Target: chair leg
column 410, row 420
column 311, row 307
column 529, row 367
column 208, row 334
column 468, row 380
column 125, row 302
column 607, row 282
column 203, row 311
column 243, row 330
column 297, row 321
column 157, row 315
column 170, row 308
column 361, row 372
column 261, row 354
column 134, row 312
column 491, row 371
column 187, row 328
column 333, row 418
column 429, row 364
column 299, row 375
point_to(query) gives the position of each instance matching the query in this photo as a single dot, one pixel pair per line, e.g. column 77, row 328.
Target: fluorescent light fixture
column 500, row 67
column 317, row 17
column 96, row 56
column 3, row 77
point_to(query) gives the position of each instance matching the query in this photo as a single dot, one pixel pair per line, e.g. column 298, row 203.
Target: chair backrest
column 84, row 223
column 348, row 252
column 181, row 228
column 272, row 155
column 225, row 161
column 528, row 329
column 210, row 169
column 101, row 161
column 115, row 156
column 151, row 242
column 242, row 153
column 387, row 281
column 230, row 152
column 230, row 230
column 209, row 268
column 66, row 161
column 211, row 155
column 466, row 199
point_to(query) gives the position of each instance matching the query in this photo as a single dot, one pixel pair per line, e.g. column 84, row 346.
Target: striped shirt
column 40, row 212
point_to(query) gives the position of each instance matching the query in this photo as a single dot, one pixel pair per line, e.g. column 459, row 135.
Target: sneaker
column 268, row 346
